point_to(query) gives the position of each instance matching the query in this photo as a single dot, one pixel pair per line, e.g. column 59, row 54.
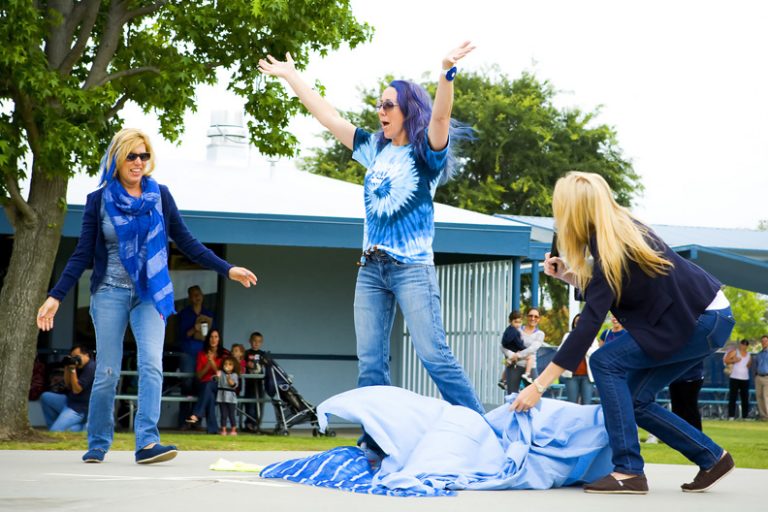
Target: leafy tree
column 750, row 310
column 524, row 144
column 68, row 67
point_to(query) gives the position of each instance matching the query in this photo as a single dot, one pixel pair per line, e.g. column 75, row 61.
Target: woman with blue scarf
column 126, row 227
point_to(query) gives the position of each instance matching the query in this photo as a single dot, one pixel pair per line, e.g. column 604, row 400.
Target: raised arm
column 316, row 104
column 440, row 122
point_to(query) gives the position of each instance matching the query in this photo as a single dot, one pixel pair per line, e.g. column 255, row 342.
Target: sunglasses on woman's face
column 133, row 156
column 387, row 105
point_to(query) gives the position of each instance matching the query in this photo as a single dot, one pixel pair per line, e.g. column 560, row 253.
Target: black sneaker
column 706, row 479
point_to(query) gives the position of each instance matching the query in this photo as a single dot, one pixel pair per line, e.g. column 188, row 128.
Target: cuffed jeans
column 58, row 416
column 111, row 310
column 383, row 282
column 628, row 380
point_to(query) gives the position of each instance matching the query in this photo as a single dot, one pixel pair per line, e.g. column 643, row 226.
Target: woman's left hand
column 457, row 54
column 526, row 399
column 243, row 276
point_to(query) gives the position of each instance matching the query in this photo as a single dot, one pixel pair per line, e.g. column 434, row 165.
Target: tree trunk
column 24, row 290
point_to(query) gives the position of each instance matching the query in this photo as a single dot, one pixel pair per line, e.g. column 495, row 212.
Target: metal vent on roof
column 227, row 137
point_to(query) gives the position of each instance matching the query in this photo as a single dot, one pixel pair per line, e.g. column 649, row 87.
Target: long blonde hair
column 583, row 206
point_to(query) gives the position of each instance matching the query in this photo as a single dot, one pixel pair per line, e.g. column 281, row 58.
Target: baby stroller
column 290, row 407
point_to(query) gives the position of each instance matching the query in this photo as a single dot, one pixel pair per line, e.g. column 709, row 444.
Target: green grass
column 746, row 440
column 189, row 442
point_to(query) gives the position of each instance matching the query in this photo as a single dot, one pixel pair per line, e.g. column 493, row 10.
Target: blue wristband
column 451, row 74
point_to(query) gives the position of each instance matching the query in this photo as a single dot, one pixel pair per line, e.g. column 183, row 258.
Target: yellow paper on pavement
column 243, row 467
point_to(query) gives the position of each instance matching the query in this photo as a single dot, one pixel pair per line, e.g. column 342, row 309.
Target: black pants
column 513, row 375
column 742, row 388
column 227, row 410
column 685, row 400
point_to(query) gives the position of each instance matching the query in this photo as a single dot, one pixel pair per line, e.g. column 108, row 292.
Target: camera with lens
column 72, row 360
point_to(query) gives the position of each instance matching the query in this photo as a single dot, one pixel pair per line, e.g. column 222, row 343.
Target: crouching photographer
column 69, row 411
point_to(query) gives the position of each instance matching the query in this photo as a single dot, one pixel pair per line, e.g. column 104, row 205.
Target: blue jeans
column 111, row 310
column 383, row 282
column 206, row 405
column 578, row 386
column 628, row 380
column 59, row 417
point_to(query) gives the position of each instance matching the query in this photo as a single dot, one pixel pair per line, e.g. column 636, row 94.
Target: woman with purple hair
column 406, row 160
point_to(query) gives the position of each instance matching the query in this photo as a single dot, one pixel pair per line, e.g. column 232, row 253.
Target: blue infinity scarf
column 142, row 241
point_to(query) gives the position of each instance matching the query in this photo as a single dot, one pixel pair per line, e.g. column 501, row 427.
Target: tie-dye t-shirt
column 399, row 214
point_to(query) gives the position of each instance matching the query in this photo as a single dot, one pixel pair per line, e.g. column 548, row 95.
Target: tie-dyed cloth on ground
column 434, row 448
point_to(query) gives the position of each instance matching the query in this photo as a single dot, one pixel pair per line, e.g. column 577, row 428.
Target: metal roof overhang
column 327, row 232
column 730, row 268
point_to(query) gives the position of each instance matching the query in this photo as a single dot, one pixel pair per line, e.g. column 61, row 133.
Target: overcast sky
column 684, row 83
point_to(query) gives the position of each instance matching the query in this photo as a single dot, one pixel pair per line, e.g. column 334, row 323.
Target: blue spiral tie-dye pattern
column 399, row 213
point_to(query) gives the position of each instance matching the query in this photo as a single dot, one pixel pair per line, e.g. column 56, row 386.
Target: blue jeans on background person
column 578, row 386
column 206, row 405
column 112, row 308
column 381, row 284
column 628, row 380
column 59, row 417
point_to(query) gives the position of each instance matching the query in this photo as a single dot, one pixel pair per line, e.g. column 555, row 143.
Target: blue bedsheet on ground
column 434, row 448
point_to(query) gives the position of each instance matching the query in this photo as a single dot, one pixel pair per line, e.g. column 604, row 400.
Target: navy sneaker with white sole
column 157, row 453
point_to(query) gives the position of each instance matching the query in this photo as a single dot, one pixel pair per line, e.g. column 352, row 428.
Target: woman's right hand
column 46, row 313
column 272, row 66
column 555, row 266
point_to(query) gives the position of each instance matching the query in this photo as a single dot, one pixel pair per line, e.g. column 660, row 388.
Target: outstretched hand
column 281, row 69
column 243, row 276
column 457, row 54
column 46, row 313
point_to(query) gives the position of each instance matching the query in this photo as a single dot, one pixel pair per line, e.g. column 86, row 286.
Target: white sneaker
column 527, row 378
column 652, row 439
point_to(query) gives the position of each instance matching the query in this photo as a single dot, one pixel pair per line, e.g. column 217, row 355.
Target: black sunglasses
column 387, row 105
column 133, row 156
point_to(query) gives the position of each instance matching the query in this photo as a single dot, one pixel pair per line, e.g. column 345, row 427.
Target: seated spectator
column 69, row 411
column 193, row 323
column 208, row 364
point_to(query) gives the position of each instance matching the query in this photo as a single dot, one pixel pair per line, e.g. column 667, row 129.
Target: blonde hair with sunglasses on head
column 123, row 143
column 583, row 206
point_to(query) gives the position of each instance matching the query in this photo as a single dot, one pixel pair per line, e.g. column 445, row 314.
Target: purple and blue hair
column 416, row 106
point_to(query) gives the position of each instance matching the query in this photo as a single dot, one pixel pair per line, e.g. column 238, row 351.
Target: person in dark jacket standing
column 675, row 315
column 127, row 223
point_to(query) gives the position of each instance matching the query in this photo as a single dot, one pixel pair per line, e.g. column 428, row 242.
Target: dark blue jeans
column 628, row 380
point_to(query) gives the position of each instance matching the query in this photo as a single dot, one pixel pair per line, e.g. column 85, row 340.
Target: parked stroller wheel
column 284, row 432
column 330, row 433
column 314, row 432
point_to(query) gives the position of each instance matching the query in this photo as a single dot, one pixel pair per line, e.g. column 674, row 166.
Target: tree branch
column 127, row 72
column 141, row 11
column 87, row 20
column 21, row 205
column 108, row 45
column 112, row 112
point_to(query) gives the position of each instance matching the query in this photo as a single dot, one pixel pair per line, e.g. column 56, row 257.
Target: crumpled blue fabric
column 434, row 448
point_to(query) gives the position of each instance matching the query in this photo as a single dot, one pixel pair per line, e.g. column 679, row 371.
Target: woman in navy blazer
column 124, row 236
column 675, row 315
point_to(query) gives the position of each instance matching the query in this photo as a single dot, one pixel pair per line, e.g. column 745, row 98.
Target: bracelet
column 539, row 387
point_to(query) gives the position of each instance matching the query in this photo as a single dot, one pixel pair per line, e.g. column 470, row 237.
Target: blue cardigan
column 91, row 248
column 659, row 312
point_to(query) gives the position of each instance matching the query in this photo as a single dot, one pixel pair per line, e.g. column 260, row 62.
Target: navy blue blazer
column 91, row 250
column 659, row 312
